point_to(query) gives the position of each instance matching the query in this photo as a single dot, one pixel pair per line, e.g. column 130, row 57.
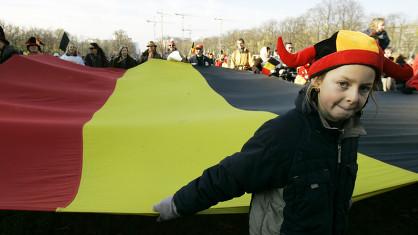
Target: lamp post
column 220, row 32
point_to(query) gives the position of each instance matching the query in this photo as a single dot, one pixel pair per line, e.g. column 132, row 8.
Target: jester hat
column 342, row 48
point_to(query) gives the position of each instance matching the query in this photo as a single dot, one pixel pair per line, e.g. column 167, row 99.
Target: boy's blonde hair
column 375, row 22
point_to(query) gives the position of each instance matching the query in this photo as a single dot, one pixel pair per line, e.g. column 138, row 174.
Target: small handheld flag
column 64, row 41
column 269, row 66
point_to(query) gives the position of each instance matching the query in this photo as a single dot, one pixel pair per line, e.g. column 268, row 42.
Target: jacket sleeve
column 88, row 61
column 258, row 166
column 384, row 40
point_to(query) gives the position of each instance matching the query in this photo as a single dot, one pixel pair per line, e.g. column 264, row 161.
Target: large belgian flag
column 82, row 139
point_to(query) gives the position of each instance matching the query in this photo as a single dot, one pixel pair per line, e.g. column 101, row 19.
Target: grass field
column 394, row 212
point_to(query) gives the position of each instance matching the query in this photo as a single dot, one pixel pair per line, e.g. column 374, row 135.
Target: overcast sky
column 100, row 18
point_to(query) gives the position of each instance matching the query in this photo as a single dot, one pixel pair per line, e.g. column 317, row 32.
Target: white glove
column 167, row 209
column 174, row 56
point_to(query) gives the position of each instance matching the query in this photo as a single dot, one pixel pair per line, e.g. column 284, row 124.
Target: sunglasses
column 171, row 45
column 91, row 48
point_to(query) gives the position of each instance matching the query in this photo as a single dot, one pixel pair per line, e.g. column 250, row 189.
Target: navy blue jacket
column 293, row 152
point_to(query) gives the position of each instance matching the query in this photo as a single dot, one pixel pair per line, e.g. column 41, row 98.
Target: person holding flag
column 33, row 46
column 241, row 58
column 300, row 167
column 72, row 55
column 150, row 52
column 173, row 54
column 96, row 57
column 199, row 58
column 6, row 50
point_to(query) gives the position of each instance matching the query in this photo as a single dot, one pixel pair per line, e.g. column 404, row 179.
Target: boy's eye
column 343, row 84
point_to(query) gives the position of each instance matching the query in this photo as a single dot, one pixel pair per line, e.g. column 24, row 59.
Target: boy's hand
column 167, row 209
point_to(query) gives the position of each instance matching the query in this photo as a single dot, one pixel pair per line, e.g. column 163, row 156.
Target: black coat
column 127, row 63
column 200, row 60
column 98, row 61
column 144, row 57
column 382, row 37
column 292, row 152
column 7, row 52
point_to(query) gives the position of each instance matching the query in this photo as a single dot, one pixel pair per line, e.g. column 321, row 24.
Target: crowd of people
column 266, row 62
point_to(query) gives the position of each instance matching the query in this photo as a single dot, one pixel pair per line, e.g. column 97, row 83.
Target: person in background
column 412, row 84
column 6, row 50
column 211, row 59
column 265, row 54
column 401, row 59
column 258, row 65
column 123, row 60
column 72, row 55
column 33, row 46
column 300, row 167
column 172, row 53
column 302, row 75
column 377, row 31
column 150, row 52
column 222, row 61
column 283, row 70
column 241, row 58
column 199, row 58
column 289, row 47
column 387, row 81
column 96, row 57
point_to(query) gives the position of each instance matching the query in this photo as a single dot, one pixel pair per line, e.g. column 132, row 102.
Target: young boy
column 300, row 167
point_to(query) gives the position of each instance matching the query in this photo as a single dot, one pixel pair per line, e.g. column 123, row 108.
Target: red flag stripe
column 44, row 103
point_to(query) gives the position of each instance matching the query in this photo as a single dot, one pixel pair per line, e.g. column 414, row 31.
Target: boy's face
column 380, row 26
column 344, row 91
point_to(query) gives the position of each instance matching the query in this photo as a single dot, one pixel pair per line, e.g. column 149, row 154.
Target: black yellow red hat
column 342, row 48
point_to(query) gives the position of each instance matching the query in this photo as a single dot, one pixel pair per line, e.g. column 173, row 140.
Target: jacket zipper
column 339, row 145
column 339, row 151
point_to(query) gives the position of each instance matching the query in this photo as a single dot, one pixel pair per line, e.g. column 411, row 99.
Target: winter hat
column 342, row 48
